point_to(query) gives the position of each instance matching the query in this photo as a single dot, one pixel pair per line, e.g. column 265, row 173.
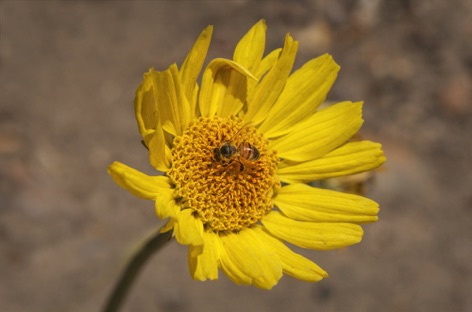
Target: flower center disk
column 224, row 170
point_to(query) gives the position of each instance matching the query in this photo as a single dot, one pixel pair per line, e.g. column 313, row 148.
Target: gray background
column 68, row 73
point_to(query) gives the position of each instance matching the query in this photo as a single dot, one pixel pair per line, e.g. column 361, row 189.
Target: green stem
column 137, row 261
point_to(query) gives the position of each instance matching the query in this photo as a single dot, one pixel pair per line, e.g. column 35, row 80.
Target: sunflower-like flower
column 238, row 154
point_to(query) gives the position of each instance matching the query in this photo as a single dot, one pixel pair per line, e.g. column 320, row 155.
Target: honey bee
column 245, row 154
column 248, row 151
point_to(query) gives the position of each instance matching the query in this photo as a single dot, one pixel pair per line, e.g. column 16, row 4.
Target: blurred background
column 68, row 73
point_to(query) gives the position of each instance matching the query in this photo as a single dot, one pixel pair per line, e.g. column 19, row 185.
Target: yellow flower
column 237, row 154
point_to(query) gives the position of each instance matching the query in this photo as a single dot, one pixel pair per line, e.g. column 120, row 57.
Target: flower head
column 238, row 152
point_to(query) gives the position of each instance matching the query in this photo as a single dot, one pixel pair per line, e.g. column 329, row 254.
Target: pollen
column 227, row 191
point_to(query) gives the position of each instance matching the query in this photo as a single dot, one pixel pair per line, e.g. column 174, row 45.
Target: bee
column 245, row 154
column 248, row 151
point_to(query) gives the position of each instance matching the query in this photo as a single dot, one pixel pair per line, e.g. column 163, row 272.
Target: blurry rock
column 456, row 94
column 315, row 37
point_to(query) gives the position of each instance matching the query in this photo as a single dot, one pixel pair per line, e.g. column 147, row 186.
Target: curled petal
column 145, row 105
column 223, row 84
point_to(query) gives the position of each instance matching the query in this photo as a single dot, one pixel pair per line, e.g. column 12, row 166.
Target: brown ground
column 68, row 75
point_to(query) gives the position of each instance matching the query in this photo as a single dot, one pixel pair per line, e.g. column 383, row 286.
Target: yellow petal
column 266, row 92
column 260, row 70
column 267, row 63
column 305, row 203
column 188, row 230
column 168, row 226
column 223, row 84
column 138, row 183
column 305, row 90
column 293, row 264
column 192, row 65
column 203, row 260
column 160, row 155
column 234, row 95
column 247, row 260
column 321, row 133
column 351, row 158
column 145, row 105
column 249, row 51
column 312, row 235
column 166, row 207
column 173, row 106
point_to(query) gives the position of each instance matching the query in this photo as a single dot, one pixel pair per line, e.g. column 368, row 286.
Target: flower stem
column 149, row 246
